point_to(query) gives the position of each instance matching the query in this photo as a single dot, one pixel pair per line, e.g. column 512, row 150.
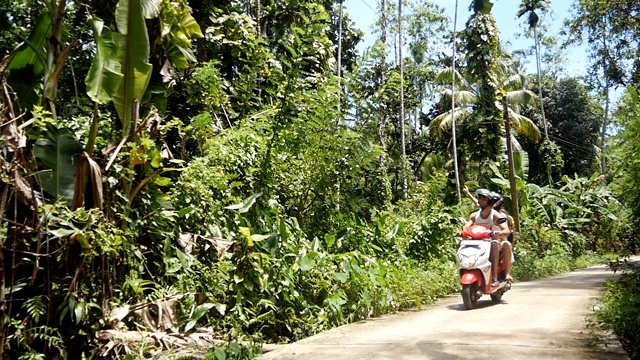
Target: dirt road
column 542, row 319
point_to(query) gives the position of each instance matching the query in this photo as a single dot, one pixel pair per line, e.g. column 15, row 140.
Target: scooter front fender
column 470, row 277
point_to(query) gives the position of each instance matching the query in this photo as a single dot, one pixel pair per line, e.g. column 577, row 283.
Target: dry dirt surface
column 542, row 319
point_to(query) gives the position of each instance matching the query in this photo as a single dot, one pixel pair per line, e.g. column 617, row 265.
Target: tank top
column 488, row 222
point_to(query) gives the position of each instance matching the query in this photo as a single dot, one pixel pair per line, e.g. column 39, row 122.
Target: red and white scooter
column 474, row 266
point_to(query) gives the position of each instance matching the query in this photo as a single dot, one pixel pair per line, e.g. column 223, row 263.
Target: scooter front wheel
column 496, row 297
column 469, row 295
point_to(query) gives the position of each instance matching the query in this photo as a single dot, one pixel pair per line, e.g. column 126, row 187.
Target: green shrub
column 425, row 231
column 233, row 350
column 619, row 310
column 530, row 266
column 417, row 283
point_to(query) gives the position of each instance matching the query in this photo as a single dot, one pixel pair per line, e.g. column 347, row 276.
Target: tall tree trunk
column 3, row 303
column 55, row 57
column 261, row 34
column 453, row 105
column 607, row 85
column 401, row 119
column 515, row 207
column 544, row 118
column 605, row 123
column 382, row 121
column 262, row 27
column 339, row 66
column 383, row 70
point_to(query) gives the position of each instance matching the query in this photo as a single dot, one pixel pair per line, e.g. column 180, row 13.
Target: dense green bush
column 530, row 267
column 425, row 228
column 302, row 266
column 619, row 306
column 416, row 283
column 280, row 284
column 540, row 251
column 233, row 350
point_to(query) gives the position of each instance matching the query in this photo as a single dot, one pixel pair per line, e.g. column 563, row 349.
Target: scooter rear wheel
column 469, row 295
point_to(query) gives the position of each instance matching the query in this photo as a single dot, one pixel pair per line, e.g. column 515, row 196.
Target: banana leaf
column 88, row 185
column 521, row 159
column 57, row 153
column 27, row 63
column 132, row 43
column 32, row 52
column 105, row 75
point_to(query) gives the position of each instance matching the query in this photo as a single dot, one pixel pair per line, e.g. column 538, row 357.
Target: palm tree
column 474, row 124
column 512, row 80
column 531, row 7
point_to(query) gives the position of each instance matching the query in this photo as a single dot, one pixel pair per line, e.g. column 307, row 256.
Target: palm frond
column 463, row 97
column 516, row 144
column 524, row 126
column 522, row 164
column 446, row 76
column 522, row 97
column 444, row 121
column 515, row 81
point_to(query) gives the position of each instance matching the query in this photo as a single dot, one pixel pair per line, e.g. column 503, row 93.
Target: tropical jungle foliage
column 236, row 171
column 618, row 306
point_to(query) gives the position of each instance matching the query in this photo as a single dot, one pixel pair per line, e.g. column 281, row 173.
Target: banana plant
column 42, row 55
column 26, row 65
column 34, row 66
column 41, row 58
column 121, row 71
column 132, row 52
column 578, row 203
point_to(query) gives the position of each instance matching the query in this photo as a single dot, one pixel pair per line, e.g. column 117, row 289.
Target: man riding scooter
column 489, row 218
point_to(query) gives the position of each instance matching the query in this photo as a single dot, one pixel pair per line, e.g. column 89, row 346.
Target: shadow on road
column 483, row 303
column 586, row 279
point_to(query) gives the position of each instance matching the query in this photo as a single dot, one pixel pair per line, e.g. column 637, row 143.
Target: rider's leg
column 495, row 260
column 506, row 248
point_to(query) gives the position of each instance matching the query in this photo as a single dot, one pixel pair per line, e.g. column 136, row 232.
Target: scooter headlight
column 468, row 262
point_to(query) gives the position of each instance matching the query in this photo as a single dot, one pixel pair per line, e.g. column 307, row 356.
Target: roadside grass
column 530, row 267
column 618, row 309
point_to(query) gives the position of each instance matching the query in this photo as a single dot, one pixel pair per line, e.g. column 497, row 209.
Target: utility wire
column 584, row 149
column 369, row 6
column 576, row 147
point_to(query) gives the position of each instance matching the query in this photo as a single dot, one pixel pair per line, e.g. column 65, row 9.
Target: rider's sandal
column 508, row 278
column 495, row 283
